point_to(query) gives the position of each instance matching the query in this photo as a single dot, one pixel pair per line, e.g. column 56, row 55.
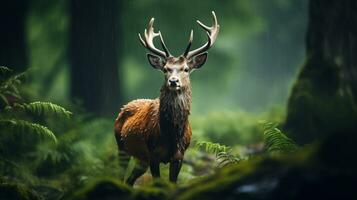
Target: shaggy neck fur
column 174, row 110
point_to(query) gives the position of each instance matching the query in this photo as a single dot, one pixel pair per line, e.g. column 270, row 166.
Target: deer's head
column 177, row 69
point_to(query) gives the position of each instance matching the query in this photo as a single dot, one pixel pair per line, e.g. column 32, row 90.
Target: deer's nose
column 173, row 81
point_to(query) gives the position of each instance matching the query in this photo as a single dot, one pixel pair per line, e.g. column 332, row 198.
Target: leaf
column 275, row 140
column 43, row 108
column 22, row 126
column 223, row 153
column 4, row 99
column 5, row 72
column 227, row 158
column 9, row 82
column 211, row 147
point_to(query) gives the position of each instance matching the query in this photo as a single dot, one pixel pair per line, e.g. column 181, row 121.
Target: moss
column 157, row 190
column 112, row 189
column 319, row 104
column 104, row 189
column 324, row 170
column 225, row 183
column 17, row 192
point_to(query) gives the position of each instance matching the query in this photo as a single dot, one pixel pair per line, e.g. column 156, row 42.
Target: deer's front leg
column 175, row 166
column 155, row 169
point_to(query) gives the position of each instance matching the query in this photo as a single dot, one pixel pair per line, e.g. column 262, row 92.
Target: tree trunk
column 94, row 55
column 323, row 99
column 12, row 34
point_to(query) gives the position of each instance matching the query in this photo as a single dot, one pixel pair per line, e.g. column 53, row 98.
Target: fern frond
column 275, row 140
column 224, row 155
column 54, row 156
column 5, row 72
column 42, row 108
column 22, row 126
column 9, row 83
column 227, row 158
column 211, row 147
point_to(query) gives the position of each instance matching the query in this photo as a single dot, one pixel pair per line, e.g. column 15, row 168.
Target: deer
column 157, row 130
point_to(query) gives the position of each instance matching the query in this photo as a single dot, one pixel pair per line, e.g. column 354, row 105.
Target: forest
column 274, row 99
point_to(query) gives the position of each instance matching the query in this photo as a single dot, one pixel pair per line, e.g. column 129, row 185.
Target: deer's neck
column 174, row 111
column 175, row 105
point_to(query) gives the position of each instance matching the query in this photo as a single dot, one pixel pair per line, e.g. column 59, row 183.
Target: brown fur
column 138, row 132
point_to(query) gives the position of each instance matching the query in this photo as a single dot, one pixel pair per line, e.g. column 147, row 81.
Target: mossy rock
column 103, row 189
column 112, row 189
column 13, row 191
column 158, row 190
column 325, row 170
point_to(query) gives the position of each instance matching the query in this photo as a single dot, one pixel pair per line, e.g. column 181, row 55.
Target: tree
column 94, row 54
column 12, row 34
column 324, row 97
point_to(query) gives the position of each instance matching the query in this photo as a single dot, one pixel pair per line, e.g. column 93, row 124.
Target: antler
column 212, row 33
column 148, row 43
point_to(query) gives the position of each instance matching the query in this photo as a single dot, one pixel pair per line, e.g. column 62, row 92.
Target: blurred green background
column 251, row 67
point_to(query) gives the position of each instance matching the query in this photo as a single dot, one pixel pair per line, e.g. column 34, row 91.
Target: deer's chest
column 164, row 145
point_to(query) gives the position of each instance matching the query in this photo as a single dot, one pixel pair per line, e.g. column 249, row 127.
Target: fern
column 9, row 83
column 22, row 126
column 41, row 108
column 227, row 158
column 211, row 147
column 5, row 73
column 11, row 120
column 224, row 155
column 275, row 140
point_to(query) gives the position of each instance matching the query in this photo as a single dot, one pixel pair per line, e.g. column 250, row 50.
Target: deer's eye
column 187, row 69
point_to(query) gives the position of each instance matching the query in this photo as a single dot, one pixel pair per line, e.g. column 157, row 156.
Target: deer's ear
column 155, row 61
column 197, row 61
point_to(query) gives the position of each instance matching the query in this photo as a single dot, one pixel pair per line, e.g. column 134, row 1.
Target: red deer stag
column 158, row 131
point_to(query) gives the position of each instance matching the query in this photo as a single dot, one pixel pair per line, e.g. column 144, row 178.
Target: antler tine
column 203, row 48
column 189, row 44
column 163, row 45
column 142, row 41
column 203, row 26
column 212, row 33
column 148, row 43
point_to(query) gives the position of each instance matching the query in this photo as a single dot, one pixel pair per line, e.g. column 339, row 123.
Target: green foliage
column 233, row 127
column 22, row 129
column 85, row 150
column 227, row 158
column 9, row 83
column 222, row 127
column 17, row 191
column 13, row 118
column 39, row 108
column 224, row 155
column 275, row 140
column 211, row 147
column 22, row 126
